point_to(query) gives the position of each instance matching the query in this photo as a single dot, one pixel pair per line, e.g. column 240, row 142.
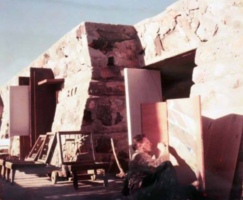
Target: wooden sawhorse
column 78, row 167
column 12, row 166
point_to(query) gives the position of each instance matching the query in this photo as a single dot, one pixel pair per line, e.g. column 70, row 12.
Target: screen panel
column 19, row 110
column 141, row 86
column 222, row 138
column 185, row 140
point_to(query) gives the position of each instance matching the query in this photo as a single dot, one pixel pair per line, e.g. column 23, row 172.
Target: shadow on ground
column 33, row 187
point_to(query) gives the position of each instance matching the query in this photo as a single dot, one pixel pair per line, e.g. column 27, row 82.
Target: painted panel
column 19, row 110
column 141, row 86
column 154, row 124
column 185, row 139
column 75, row 146
column 34, row 152
column 222, row 139
column 48, row 148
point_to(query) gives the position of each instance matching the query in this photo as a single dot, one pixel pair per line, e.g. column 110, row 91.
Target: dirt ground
column 33, row 187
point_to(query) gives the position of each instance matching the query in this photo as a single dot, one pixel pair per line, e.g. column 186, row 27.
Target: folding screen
column 178, row 123
column 204, row 151
column 142, row 86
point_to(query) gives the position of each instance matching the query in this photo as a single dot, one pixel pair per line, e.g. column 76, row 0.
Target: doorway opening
column 176, row 75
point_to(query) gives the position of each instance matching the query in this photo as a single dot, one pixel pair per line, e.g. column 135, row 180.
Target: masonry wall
column 92, row 57
column 214, row 29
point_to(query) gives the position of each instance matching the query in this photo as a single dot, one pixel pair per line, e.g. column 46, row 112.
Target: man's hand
column 162, row 147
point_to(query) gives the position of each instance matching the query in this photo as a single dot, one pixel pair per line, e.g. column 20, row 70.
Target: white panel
column 19, row 110
column 141, row 86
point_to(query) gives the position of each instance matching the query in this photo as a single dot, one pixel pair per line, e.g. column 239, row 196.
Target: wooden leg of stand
column 75, row 180
column 13, row 176
column 8, row 174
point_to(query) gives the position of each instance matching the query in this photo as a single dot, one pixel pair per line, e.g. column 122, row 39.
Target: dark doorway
column 176, row 75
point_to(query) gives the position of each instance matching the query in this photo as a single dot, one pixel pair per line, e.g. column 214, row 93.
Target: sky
column 30, row 27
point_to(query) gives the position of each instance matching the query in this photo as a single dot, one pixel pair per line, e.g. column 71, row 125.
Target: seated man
column 154, row 179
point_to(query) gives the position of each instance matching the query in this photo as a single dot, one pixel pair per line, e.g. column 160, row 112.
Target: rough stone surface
column 218, row 76
column 220, row 47
column 185, row 25
column 92, row 56
column 91, row 59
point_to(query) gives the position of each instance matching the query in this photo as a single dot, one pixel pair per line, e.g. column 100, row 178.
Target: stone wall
column 185, row 25
column 91, row 59
column 92, row 56
column 112, row 48
column 214, row 29
column 218, row 76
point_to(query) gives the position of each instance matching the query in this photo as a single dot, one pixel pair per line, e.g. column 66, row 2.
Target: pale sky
column 30, row 27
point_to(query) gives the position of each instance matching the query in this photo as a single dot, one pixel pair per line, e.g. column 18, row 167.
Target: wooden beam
column 51, row 81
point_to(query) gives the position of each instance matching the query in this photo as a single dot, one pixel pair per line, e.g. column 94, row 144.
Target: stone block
column 220, row 102
column 107, row 88
column 219, row 48
column 210, row 71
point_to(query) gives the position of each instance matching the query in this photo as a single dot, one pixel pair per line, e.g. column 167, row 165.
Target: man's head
column 141, row 143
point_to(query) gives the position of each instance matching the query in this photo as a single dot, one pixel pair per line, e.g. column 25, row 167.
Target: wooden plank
column 222, row 139
column 51, row 81
column 24, row 141
column 185, row 139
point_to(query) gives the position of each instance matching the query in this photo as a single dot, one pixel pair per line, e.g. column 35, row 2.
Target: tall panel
column 43, row 102
column 19, row 111
column 24, row 141
column 185, row 139
column 141, row 86
column 222, row 139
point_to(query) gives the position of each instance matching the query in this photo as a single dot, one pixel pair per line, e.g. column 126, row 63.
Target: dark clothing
column 142, row 170
column 155, row 179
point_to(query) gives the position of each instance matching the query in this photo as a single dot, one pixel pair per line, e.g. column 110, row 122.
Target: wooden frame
column 34, row 152
column 48, row 147
column 75, row 146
